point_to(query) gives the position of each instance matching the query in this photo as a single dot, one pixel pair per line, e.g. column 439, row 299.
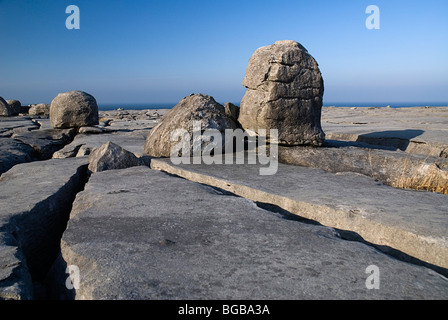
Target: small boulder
column 73, row 109
column 194, row 108
column 91, row 130
column 41, row 109
column 15, row 105
column 5, row 109
column 111, row 156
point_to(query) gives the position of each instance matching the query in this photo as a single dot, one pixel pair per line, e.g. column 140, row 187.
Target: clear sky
column 160, row 51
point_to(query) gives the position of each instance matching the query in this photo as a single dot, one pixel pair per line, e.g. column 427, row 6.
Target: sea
column 164, row 105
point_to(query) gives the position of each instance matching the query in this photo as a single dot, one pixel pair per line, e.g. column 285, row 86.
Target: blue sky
column 160, row 51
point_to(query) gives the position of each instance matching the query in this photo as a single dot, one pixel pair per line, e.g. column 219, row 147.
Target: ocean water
column 135, row 106
column 142, row 106
column 386, row 104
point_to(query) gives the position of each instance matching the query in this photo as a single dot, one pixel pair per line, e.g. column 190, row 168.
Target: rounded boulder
column 73, row 109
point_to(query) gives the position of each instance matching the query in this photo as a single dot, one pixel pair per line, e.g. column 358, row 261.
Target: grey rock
column 43, row 123
column 91, row 130
column 285, row 91
column 46, row 141
column 129, row 244
column 24, row 110
column 41, row 109
column 35, row 201
column 73, row 109
column 84, row 144
column 9, row 126
column 411, row 222
column 15, row 279
column 196, row 107
column 111, row 156
column 5, row 109
column 131, row 125
column 416, row 130
column 13, row 152
column 395, row 168
column 232, row 111
column 16, row 106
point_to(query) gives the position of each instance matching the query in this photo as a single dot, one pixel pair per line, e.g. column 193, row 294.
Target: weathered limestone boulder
column 111, row 156
column 285, row 91
column 194, row 108
column 73, row 109
column 15, row 106
column 5, row 109
column 41, row 109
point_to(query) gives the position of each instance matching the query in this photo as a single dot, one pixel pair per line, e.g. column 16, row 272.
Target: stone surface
column 92, row 130
column 129, row 244
column 73, row 109
column 285, row 90
column 43, row 122
column 111, row 156
column 15, row 279
column 164, row 229
column 35, row 201
column 131, row 141
column 13, row 152
column 232, row 111
column 420, row 130
column 41, row 109
column 196, row 107
column 9, row 125
column 47, row 141
column 15, row 105
column 395, row 168
column 413, row 222
column 5, row 109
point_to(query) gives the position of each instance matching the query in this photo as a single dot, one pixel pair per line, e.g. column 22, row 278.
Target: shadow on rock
column 395, row 138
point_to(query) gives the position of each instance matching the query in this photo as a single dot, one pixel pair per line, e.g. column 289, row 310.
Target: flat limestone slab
column 139, row 233
column 13, row 152
column 413, row 222
column 85, row 143
column 11, row 123
column 421, row 130
column 35, row 200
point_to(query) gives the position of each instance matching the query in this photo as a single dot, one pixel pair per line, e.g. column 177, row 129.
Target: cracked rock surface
column 127, row 243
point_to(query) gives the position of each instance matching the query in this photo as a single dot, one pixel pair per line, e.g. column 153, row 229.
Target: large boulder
column 194, row 108
column 285, row 91
column 5, row 109
column 73, row 109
